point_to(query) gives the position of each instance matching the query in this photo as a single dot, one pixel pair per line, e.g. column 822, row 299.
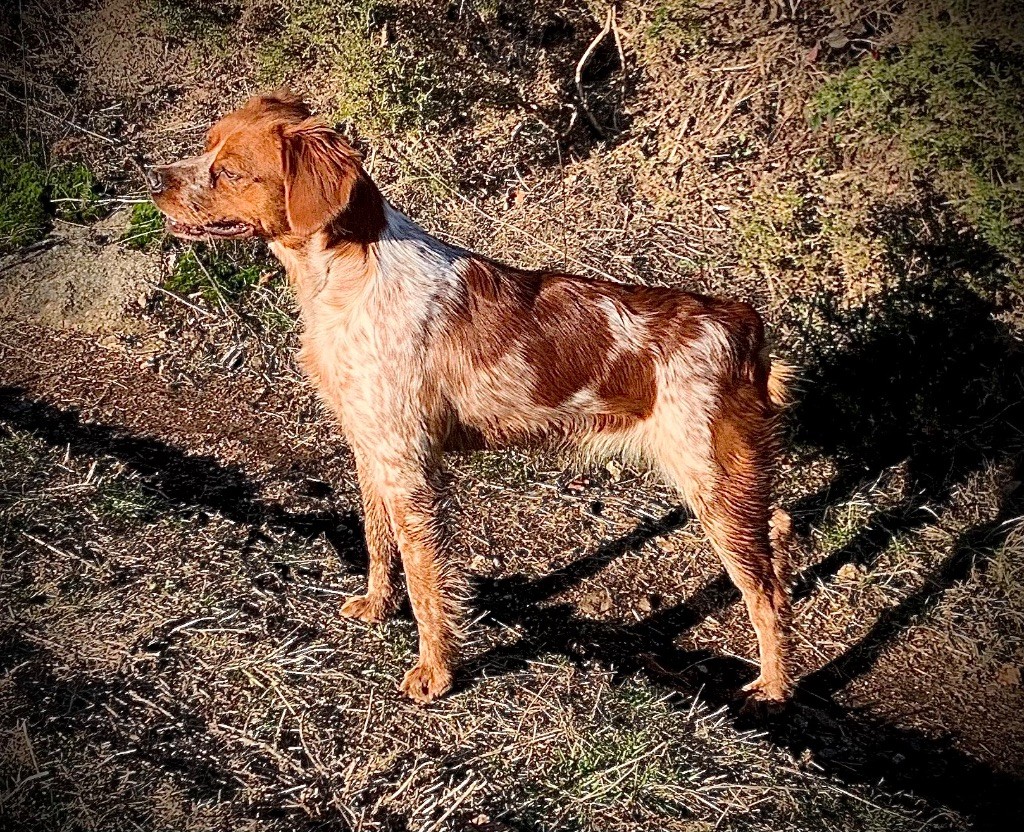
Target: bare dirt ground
column 179, row 521
column 78, row 280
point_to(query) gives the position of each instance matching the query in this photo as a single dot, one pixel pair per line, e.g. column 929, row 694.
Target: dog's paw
column 764, row 697
column 366, row 608
column 425, row 683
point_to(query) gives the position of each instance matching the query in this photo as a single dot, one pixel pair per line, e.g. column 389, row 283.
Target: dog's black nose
column 155, row 180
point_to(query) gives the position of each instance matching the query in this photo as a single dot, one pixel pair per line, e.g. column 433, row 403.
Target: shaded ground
column 178, row 520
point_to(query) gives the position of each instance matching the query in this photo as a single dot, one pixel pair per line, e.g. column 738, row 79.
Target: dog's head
column 268, row 170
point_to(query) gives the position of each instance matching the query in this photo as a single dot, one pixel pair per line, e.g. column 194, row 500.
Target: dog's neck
column 369, row 241
column 342, row 250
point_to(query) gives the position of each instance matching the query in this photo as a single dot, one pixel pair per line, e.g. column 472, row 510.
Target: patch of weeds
column 789, row 234
column 779, row 230
column 513, row 468
column 32, row 193
column 843, row 524
column 811, row 238
column 858, row 248
column 733, row 150
column 145, row 227
column 17, row 448
column 217, row 273
column 374, row 82
column 673, row 29
column 955, row 100
column 184, row 17
column 611, row 766
column 634, row 759
column 618, row 761
column 206, row 24
column 488, row 10
column 74, row 193
column 221, row 272
column 124, row 500
column 274, row 318
column 1007, row 568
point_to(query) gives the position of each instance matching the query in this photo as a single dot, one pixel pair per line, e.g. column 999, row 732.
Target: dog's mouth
column 220, row 230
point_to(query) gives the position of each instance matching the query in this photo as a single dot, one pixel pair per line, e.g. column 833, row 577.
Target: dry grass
column 178, row 521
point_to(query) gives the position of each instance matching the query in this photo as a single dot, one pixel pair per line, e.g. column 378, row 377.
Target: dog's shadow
column 848, row 744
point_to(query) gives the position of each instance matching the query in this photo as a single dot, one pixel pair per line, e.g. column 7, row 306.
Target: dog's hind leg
column 728, row 483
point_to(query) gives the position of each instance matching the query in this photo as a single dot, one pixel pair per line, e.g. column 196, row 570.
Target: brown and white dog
column 416, row 344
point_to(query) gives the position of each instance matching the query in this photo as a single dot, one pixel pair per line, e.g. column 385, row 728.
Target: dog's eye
column 224, row 173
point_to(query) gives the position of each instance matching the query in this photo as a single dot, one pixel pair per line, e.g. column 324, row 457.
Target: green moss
column 145, row 227
column 33, row 193
column 374, row 82
column 778, row 232
column 791, row 231
column 218, row 273
column 955, row 100
column 184, row 17
column 206, row 25
column 674, row 28
column 23, row 215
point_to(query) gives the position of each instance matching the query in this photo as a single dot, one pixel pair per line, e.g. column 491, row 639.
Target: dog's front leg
column 381, row 598
column 436, row 589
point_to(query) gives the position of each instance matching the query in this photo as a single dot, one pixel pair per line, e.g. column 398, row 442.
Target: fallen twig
column 609, row 18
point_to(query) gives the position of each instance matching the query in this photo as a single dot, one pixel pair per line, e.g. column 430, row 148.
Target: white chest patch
column 367, row 317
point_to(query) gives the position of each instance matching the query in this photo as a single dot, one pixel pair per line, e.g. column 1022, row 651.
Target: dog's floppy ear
column 320, row 169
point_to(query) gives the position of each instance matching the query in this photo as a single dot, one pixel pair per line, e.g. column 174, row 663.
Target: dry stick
column 22, row 79
column 470, row 787
column 622, row 61
column 732, row 107
column 216, row 287
column 56, row 551
column 140, row 236
column 583, row 62
column 565, row 209
column 17, row 786
column 24, row 61
column 142, row 173
column 313, row 758
column 703, row 230
column 739, row 68
column 28, row 745
column 182, row 300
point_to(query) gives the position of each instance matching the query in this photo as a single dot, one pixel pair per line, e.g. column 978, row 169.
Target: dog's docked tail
column 780, row 379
